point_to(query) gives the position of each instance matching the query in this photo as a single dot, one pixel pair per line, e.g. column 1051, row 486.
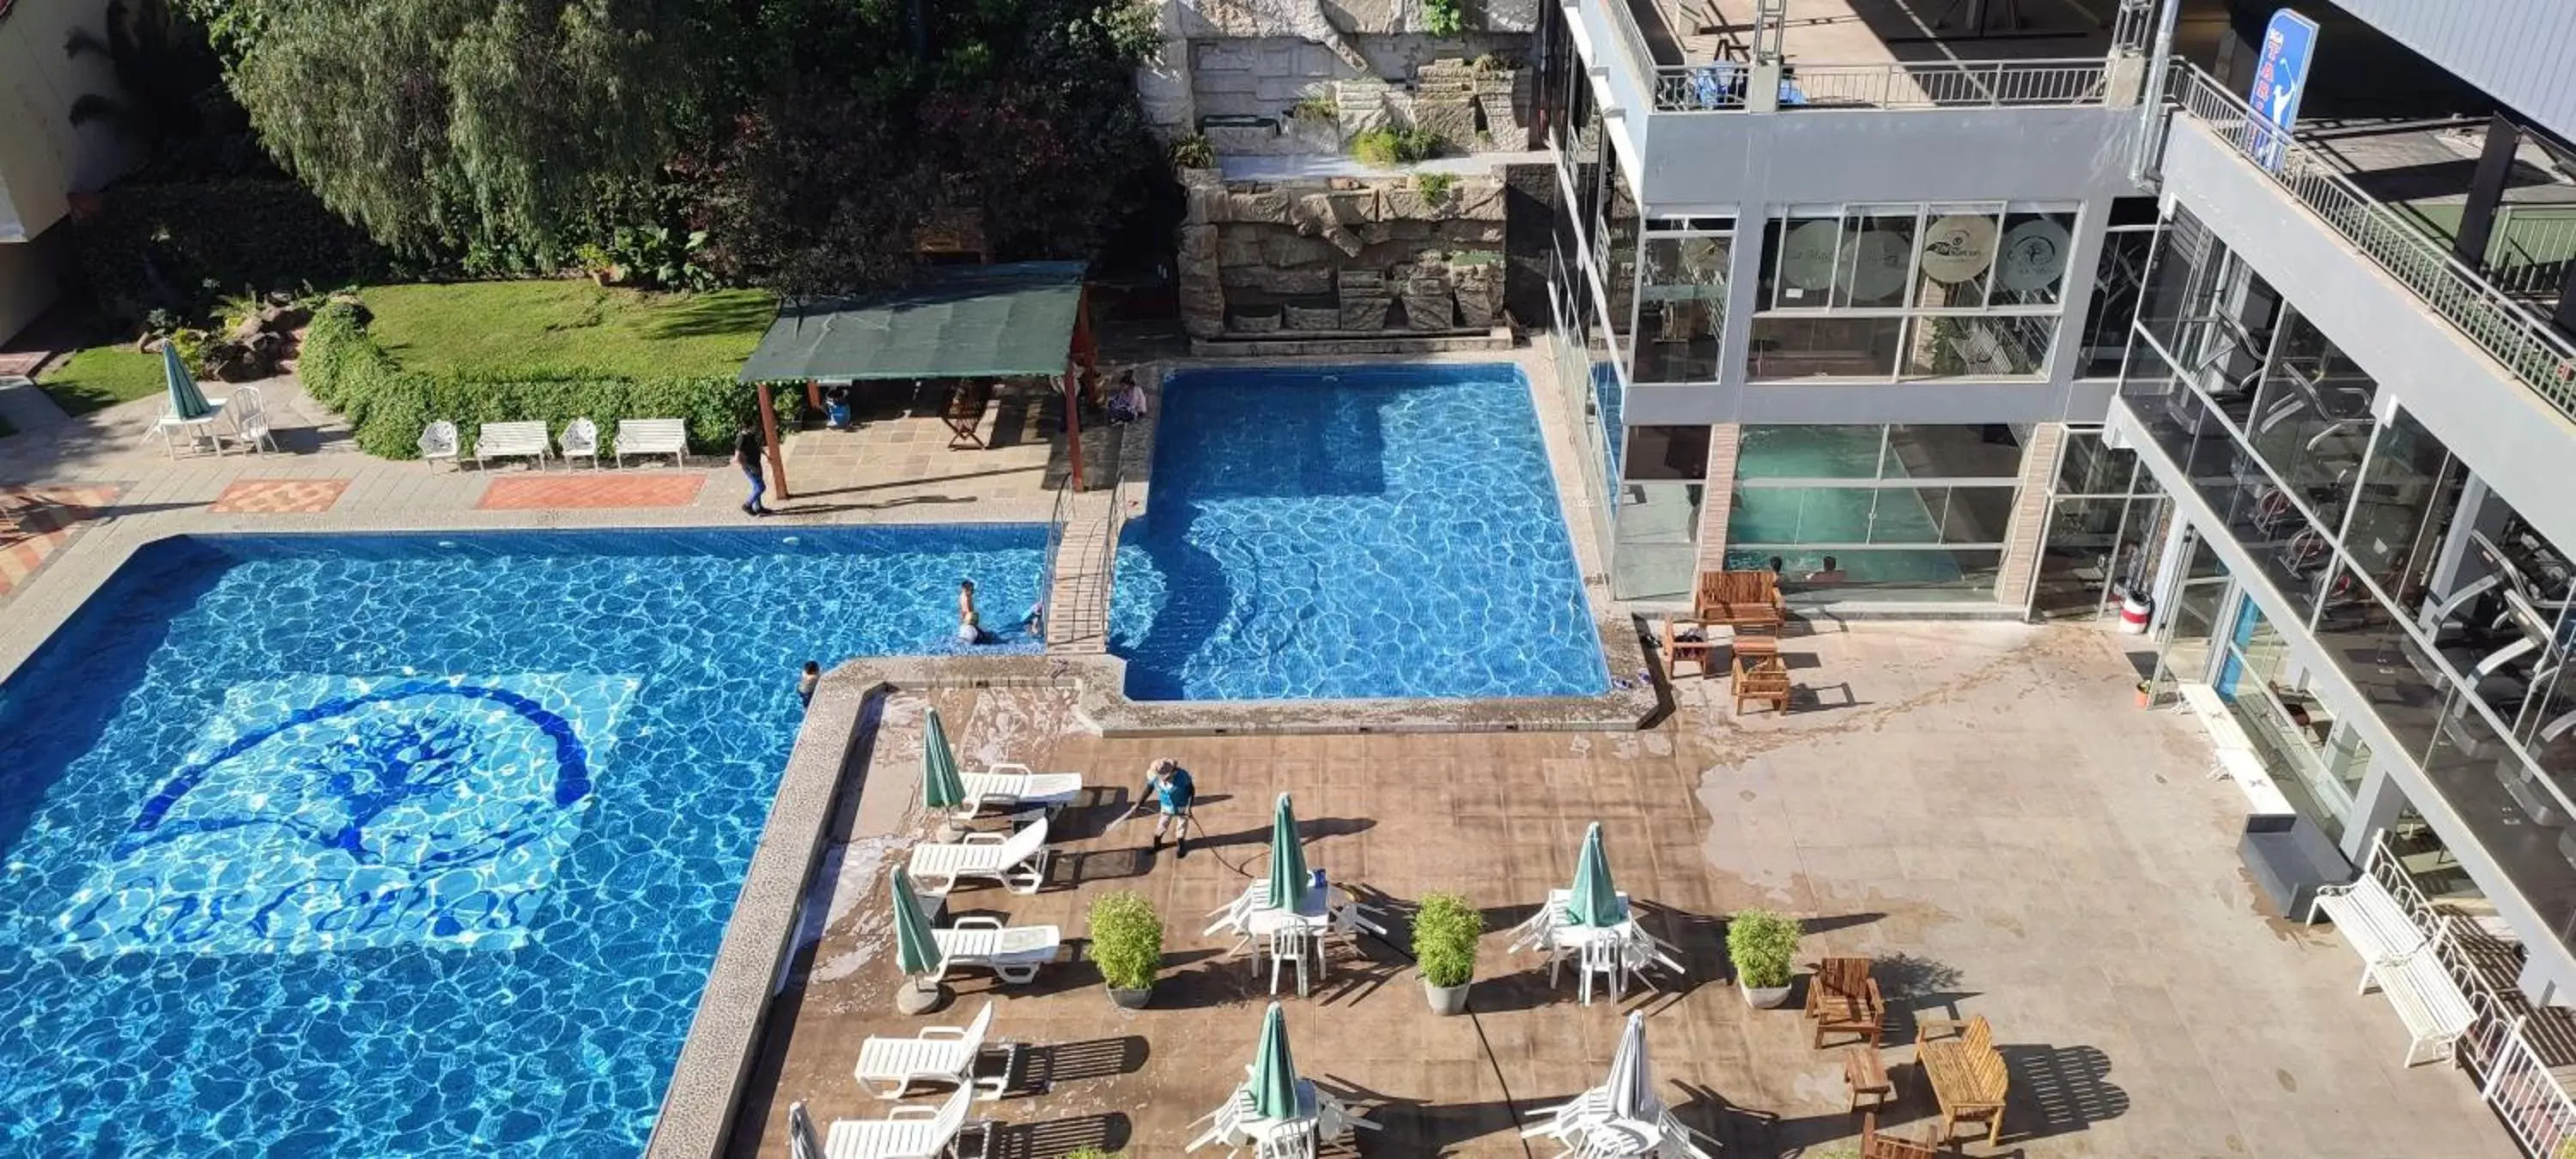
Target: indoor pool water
column 1351, row 532
column 418, row 845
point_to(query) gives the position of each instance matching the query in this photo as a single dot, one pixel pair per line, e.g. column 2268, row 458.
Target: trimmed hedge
column 180, row 246
column 386, row 405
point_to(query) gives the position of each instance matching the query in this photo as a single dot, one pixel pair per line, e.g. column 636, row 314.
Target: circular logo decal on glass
column 1877, row 274
column 1958, row 248
column 1807, row 261
column 2034, row 255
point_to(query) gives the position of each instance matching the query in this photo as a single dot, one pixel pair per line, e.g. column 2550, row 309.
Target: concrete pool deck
column 1984, row 812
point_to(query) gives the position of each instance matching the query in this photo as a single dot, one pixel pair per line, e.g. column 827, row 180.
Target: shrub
column 386, row 405
column 1194, row 152
column 1384, row 147
column 1126, row 940
column 1445, row 930
column 1318, row 107
column 1436, row 186
column 1444, row 17
column 1763, row 946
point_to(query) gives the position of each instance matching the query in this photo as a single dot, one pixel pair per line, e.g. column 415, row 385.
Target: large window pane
column 1655, row 551
column 1807, row 452
column 2118, row 280
column 1877, row 254
column 2311, row 420
column 1957, row 257
column 2030, row 269
column 1908, row 515
column 1973, row 346
column 1787, row 516
column 1947, row 451
column 1798, row 261
column 1675, row 453
column 1792, row 347
column 1681, row 310
column 1876, row 573
column 2409, row 490
column 2085, row 466
column 1977, row 514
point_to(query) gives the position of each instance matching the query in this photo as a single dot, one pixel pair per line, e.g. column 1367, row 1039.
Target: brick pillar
column 2030, row 516
column 1717, row 503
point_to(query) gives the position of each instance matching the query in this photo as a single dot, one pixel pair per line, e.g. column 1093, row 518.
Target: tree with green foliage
column 455, row 124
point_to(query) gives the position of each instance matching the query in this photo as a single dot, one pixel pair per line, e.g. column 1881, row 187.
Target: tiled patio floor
column 279, row 497
column 44, row 521
column 590, row 489
column 1982, row 809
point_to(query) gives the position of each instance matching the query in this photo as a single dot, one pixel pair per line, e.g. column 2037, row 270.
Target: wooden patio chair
column 1677, row 648
column 964, row 412
column 1967, row 1074
column 1844, row 999
column 1763, row 678
column 1876, row 1146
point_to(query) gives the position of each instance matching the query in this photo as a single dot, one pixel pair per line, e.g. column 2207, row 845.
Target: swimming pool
column 1365, row 531
column 412, row 845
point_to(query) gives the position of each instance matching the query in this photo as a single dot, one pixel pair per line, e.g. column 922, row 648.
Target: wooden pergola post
column 769, row 435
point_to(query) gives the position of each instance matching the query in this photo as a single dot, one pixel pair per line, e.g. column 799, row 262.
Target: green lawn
column 566, row 326
column 102, row 376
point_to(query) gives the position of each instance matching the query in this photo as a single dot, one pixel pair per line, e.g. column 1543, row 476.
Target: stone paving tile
column 279, row 496
column 525, row 492
column 37, row 523
column 1990, row 819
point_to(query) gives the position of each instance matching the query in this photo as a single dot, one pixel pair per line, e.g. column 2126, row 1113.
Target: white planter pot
column 1447, row 1000
column 1764, row 997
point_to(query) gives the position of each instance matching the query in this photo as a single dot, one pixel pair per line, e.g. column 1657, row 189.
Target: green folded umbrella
column 941, row 788
column 1595, row 900
column 186, row 401
column 916, row 949
column 1274, row 1073
column 1287, row 858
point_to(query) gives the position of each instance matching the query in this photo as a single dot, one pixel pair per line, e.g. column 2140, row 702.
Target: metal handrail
column 2526, row 344
column 1989, row 84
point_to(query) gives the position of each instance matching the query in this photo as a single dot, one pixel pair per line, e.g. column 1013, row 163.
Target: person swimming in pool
column 970, row 627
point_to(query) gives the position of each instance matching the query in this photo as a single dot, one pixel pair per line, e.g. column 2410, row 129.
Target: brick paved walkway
column 528, row 492
column 37, row 523
column 279, row 496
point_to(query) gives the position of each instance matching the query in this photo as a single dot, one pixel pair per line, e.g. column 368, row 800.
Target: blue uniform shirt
column 1175, row 791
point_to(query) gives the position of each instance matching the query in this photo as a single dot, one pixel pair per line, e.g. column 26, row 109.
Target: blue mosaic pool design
column 1351, row 532
column 360, row 846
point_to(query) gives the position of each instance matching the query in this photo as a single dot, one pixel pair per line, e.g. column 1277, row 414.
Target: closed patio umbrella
column 941, row 788
column 1595, row 900
column 1632, row 1086
column 801, row 1143
column 1274, row 1073
column 1287, row 858
column 916, row 950
column 186, row 401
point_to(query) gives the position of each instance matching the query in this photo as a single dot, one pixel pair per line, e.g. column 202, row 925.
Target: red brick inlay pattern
column 38, row 522
column 279, row 496
column 525, row 492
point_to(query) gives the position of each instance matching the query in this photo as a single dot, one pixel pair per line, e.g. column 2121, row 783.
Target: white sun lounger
column 941, row 1055
column 1011, row 787
column 1019, row 861
column 1012, row 953
column 905, row 1132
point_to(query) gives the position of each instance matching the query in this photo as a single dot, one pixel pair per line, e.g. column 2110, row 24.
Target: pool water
column 1351, row 532
column 360, row 846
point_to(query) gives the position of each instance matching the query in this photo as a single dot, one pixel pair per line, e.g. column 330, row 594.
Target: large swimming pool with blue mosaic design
column 412, row 845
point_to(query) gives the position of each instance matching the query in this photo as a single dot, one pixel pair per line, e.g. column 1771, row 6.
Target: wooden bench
column 1739, row 598
column 653, row 437
column 1865, row 1073
column 501, row 440
column 1876, row 1146
column 1844, row 999
column 1763, row 678
column 2428, row 1001
column 1967, row 1075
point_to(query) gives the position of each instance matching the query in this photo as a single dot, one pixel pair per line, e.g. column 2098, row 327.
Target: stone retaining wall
column 1342, row 255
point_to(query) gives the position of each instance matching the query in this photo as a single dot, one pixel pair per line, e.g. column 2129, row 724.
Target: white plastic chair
column 1294, row 944
column 250, row 419
column 905, row 1132
column 889, row 1067
column 438, row 441
column 1607, row 957
column 1019, row 861
column 580, row 440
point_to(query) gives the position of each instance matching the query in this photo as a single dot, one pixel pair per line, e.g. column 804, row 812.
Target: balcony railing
column 1719, row 86
column 2524, row 342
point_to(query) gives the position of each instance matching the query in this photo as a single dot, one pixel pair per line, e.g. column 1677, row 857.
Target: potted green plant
column 1127, row 945
column 1763, row 945
column 1445, row 930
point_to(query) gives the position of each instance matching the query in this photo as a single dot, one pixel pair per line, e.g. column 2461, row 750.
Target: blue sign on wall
column 2280, row 78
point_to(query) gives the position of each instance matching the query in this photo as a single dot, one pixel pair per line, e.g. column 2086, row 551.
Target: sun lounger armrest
column 983, row 838
column 936, row 1033
column 1003, row 768
column 912, row 1113
column 977, row 923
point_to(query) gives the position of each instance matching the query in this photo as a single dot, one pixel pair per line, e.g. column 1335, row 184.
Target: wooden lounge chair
column 1763, row 678
column 1967, row 1074
column 1876, row 1146
column 1844, row 999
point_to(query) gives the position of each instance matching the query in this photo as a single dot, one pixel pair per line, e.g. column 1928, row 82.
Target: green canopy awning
column 1004, row 321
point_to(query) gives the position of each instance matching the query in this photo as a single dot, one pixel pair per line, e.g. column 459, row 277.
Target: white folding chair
column 1291, row 944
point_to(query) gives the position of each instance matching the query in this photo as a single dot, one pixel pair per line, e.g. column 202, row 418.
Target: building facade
column 44, row 156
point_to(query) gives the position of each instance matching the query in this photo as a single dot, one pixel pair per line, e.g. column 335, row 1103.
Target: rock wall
column 1232, row 60
column 1341, row 255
